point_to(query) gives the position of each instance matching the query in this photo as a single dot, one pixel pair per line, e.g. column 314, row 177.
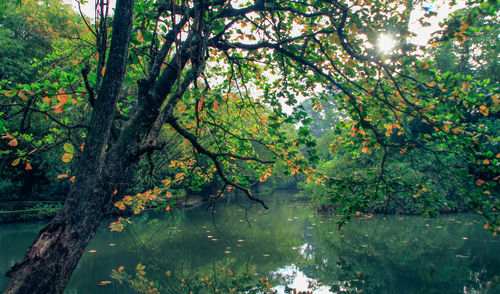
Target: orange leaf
column 7, row 136
column 182, row 109
column 480, row 182
column 28, row 167
column 12, row 142
column 167, row 208
column 169, row 194
column 62, row 176
column 72, row 179
column 67, row 157
column 10, row 93
column 21, row 95
column 365, row 150
column 81, row 146
column 484, row 110
column 140, row 38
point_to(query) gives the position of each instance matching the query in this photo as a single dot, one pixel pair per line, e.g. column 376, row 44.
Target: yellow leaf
column 68, row 148
column 431, row 84
column 169, row 194
column 67, row 157
column 16, row 161
column 486, row 161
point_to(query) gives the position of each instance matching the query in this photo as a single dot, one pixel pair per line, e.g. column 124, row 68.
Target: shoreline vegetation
column 26, row 211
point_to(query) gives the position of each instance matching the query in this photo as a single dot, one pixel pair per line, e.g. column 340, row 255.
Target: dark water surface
column 288, row 245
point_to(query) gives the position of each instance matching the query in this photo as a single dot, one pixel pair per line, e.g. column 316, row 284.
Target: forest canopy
column 136, row 107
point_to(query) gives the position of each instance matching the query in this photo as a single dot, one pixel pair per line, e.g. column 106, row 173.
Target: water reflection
column 287, row 247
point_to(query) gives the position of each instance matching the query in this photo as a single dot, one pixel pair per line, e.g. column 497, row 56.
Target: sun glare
column 386, row 43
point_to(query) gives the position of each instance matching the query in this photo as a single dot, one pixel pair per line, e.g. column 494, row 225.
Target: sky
column 424, row 34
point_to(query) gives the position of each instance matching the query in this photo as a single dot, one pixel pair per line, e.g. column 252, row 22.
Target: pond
column 241, row 247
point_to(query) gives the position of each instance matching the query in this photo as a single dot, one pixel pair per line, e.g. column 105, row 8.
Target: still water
column 241, row 247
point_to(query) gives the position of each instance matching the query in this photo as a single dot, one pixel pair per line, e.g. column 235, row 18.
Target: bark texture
column 51, row 259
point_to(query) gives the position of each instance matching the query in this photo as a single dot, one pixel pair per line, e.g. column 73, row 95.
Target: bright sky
column 441, row 7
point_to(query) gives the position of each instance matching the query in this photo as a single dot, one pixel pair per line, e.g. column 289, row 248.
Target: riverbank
column 27, row 211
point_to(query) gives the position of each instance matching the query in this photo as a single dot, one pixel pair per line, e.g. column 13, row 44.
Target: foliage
column 218, row 73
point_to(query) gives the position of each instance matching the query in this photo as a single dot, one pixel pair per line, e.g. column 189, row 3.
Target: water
column 247, row 248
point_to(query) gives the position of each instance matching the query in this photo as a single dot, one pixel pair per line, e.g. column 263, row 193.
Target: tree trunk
column 51, row 259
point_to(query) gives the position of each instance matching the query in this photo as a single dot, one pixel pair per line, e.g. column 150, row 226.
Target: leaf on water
column 92, row 251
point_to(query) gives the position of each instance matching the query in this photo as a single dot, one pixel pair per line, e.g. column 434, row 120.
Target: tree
column 176, row 63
